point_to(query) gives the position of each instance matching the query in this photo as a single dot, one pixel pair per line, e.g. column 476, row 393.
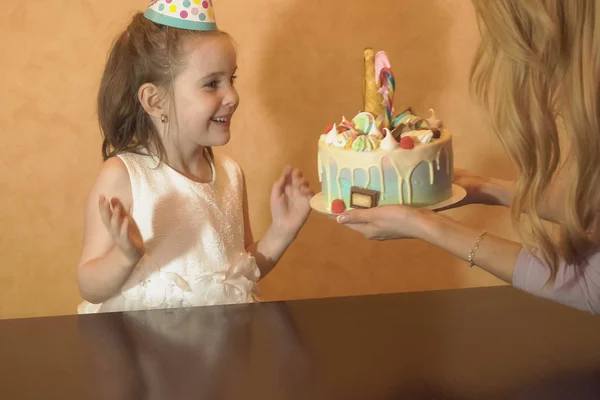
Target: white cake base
column 458, row 193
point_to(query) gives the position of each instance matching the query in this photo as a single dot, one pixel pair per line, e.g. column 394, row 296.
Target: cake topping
column 375, row 132
column 388, row 143
column 364, row 132
column 363, row 122
column 363, row 198
column 341, row 139
column 331, row 135
column 372, row 99
column 338, row 206
column 419, row 136
column 425, row 136
column 351, row 140
column 365, row 143
column 381, row 61
column 387, row 86
column 433, row 120
column 407, row 142
column 347, row 124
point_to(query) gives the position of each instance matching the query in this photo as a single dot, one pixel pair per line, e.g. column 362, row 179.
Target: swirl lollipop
column 388, row 88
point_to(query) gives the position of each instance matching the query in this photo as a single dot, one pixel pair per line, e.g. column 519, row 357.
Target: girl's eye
column 213, row 84
column 233, row 78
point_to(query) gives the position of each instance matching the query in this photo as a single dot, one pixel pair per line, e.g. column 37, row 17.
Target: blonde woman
column 537, row 72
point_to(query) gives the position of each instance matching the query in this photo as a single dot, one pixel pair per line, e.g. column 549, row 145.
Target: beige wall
column 300, row 69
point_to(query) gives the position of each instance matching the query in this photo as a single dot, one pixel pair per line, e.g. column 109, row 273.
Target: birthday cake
column 379, row 157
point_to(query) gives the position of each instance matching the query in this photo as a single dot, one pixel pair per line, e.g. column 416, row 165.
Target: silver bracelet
column 474, row 248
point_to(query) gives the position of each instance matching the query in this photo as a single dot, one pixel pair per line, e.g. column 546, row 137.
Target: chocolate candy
column 399, row 130
column 363, row 198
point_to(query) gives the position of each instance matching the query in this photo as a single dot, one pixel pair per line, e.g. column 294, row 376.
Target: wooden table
column 488, row 343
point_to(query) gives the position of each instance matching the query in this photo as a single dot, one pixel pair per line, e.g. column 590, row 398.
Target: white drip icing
column 403, row 161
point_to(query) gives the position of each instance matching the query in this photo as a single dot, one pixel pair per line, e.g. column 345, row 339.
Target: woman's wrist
column 439, row 230
column 495, row 255
column 446, row 233
column 495, row 192
column 426, row 225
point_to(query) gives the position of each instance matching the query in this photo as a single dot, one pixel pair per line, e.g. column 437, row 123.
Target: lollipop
column 387, row 86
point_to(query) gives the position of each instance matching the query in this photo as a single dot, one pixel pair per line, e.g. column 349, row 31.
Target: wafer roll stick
column 372, row 98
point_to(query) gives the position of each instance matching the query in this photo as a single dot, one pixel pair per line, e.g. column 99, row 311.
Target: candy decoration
column 399, row 130
column 387, row 85
column 363, row 122
column 388, row 143
column 363, row 198
column 425, row 136
column 341, row 139
column 381, row 61
column 401, row 116
column 372, row 98
column 407, row 143
column 365, row 143
column 422, row 136
column 433, row 120
column 331, row 135
column 422, row 124
column 338, row 206
column 388, row 88
column 405, row 119
column 375, row 132
column 351, row 141
column 379, row 121
column 347, row 124
column 343, row 128
column 412, row 122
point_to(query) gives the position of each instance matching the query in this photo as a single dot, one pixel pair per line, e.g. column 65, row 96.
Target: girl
column 166, row 222
column 537, row 68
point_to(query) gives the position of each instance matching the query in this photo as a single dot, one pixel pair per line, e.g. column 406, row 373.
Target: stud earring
column 164, row 118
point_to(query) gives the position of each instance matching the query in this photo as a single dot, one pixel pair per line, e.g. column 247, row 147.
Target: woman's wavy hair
column 538, row 66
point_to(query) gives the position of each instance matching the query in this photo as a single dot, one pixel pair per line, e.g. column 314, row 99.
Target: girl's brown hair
column 538, row 68
column 145, row 52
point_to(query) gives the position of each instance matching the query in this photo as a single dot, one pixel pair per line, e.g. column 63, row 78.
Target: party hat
column 197, row 15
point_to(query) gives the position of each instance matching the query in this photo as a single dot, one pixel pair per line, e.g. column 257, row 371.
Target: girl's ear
column 152, row 99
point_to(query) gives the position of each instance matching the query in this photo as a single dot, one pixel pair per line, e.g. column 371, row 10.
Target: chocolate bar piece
column 398, row 131
column 408, row 110
column 363, row 198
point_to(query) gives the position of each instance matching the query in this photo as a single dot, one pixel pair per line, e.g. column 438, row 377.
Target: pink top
column 577, row 287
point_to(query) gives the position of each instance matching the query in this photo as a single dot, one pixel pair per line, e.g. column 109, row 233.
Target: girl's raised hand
column 122, row 228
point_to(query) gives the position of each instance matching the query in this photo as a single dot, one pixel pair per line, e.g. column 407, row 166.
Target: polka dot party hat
column 197, row 15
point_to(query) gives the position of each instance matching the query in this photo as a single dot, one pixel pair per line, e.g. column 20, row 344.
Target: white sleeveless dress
column 194, row 237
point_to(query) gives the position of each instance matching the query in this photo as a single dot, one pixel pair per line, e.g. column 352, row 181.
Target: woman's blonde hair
column 539, row 63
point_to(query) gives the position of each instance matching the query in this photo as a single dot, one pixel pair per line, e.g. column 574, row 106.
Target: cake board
column 458, row 194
